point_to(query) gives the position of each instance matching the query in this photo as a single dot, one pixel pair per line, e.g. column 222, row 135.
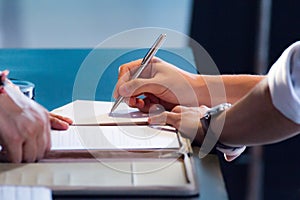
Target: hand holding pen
column 160, row 83
column 152, row 51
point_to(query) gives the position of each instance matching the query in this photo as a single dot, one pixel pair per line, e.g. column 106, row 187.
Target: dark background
column 228, row 31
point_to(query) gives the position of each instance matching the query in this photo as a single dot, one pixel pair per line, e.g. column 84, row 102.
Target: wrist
column 199, row 84
column 230, row 152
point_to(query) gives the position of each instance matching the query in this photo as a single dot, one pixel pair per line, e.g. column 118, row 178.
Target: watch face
column 219, row 108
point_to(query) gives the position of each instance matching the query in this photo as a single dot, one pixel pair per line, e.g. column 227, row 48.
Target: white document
column 85, row 112
column 25, row 193
column 114, row 137
column 88, row 134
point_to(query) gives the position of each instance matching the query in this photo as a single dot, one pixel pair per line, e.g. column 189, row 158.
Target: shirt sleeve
column 284, row 83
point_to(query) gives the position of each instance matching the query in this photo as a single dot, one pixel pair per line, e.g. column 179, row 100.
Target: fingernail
column 151, row 119
column 156, row 109
column 156, row 121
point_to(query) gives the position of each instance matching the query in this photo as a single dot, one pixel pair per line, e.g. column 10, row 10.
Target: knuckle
column 177, row 109
column 16, row 138
column 122, row 68
column 203, row 107
column 177, row 123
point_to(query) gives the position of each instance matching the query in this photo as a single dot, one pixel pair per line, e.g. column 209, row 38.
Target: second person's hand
column 185, row 119
column 59, row 122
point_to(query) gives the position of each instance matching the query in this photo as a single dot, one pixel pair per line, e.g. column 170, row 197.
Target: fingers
column 36, row 137
column 176, row 118
column 125, row 77
column 26, row 137
column 30, row 150
column 132, row 87
column 14, row 151
column 41, row 129
column 140, row 86
column 59, row 122
column 24, row 128
column 149, row 102
column 4, row 75
column 17, row 149
column 45, row 137
column 129, row 68
column 62, row 118
column 125, row 72
column 136, row 103
column 184, row 119
column 170, row 118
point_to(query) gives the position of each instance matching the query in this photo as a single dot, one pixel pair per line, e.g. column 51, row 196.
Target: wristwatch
column 205, row 122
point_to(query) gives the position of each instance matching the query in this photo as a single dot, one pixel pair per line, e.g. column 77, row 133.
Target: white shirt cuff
column 284, row 82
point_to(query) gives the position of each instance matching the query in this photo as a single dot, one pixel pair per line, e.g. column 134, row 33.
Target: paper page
column 25, row 193
column 87, row 134
column 114, row 137
column 85, row 112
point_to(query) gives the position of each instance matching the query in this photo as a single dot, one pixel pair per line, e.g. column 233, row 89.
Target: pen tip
column 112, row 109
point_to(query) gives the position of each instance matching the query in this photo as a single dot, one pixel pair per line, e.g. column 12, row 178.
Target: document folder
column 98, row 156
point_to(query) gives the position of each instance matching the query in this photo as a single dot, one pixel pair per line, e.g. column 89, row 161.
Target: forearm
column 254, row 120
column 224, row 88
column 237, row 86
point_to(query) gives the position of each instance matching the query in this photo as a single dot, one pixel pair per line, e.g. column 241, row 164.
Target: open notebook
column 102, row 155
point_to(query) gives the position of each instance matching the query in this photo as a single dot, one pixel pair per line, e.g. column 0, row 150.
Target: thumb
column 138, row 86
column 165, row 118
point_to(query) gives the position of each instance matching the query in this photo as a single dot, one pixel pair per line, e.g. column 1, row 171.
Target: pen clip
column 154, row 48
column 152, row 51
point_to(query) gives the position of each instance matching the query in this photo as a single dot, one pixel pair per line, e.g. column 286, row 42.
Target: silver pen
column 152, row 51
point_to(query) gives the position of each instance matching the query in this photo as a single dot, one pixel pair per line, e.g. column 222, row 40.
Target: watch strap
column 230, row 152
